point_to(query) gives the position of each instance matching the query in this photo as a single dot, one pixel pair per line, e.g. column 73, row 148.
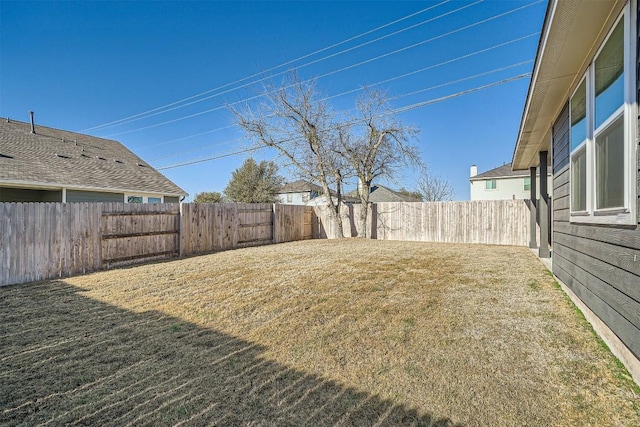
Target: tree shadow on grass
column 70, row 360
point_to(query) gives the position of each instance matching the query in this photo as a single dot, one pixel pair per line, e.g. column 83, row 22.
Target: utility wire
column 138, row 116
column 455, row 95
column 394, row 111
column 449, row 83
column 333, row 72
column 201, row 148
column 215, row 95
column 447, row 62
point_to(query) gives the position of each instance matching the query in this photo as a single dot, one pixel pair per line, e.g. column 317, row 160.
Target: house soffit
column 572, row 32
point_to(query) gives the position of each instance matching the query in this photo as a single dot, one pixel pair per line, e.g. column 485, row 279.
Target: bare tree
column 434, row 188
column 378, row 145
column 302, row 127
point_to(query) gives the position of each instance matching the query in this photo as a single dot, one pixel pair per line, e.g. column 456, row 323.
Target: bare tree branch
column 294, row 121
column 378, row 147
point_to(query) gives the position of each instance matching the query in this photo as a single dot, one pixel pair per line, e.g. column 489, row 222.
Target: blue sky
column 81, row 65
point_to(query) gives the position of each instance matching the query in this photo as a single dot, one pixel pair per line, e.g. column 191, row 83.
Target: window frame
column 144, row 198
column 495, row 184
column 526, row 184
column 628, row 111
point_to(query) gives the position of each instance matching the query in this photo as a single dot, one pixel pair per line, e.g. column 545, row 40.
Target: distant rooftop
column 503, row 171
column 302, row 186
column 62, row 158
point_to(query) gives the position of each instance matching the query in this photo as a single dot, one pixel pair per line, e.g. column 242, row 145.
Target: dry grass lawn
column 347, row 332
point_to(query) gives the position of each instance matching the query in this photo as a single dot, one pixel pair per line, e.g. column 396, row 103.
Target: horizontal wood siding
column 8, row 194
column 561, row 146
column 600, row 264
column 94, row 196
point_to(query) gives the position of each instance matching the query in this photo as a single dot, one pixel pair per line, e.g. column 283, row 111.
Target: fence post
column 273, row 223
column 180, row 231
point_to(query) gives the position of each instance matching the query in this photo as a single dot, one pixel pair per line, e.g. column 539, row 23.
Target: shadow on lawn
column 67, row 359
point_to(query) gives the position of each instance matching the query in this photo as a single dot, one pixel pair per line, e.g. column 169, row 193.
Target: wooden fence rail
column 50, row 240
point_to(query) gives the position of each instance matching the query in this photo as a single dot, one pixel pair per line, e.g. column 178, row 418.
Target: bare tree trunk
column 364, row 189
column 334, row 210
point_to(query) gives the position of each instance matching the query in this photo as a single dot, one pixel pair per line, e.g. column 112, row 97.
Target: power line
column 449, row 83
column 208, row 159
column 201, row 148
column 138, row 116
column 335, row 71
column 455, row 95
column 430, row 67
column 394, row 111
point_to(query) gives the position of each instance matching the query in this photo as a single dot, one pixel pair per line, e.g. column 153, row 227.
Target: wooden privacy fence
column 138, row 232
column 49, row 240
column 217, row 227
column 499, row 222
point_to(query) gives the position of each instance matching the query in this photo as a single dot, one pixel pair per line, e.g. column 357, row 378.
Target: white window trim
column 627, row 214
column 145, row 198
column 490, row 189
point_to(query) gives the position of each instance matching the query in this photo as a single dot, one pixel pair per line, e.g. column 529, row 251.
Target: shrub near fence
column 50, row 240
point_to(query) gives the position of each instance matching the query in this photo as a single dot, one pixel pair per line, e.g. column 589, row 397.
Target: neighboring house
column 380, row 194
column 299, row 192
column 502, row 183
column 41, row 164
column 581, row 113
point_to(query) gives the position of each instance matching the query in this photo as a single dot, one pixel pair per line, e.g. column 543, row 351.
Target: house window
column 289, row 197
column 490, row 184
column 155, row 200
column 134, row 199
column 527, row 183
column 602, row 135
column 305, row 197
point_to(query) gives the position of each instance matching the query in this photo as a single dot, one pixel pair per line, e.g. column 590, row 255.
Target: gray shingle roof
column 57, row 157
column 301, row 186
column 503, row 171
column 380, row 194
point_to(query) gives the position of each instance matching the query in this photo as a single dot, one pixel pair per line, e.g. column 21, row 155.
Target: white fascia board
column 58, row 186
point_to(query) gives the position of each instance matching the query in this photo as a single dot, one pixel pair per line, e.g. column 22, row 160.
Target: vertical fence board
column 502, row 222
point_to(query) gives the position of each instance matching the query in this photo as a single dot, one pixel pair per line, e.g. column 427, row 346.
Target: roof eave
column 57, row 185
column 571, row 32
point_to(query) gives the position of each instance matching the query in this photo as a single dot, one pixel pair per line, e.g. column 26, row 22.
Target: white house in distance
column 502, row 183
column 298, row 192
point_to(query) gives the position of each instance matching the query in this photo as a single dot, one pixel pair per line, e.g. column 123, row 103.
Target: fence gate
column 255, row 224
column 135, row 232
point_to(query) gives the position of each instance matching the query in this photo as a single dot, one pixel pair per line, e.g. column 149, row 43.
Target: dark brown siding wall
column 600, row 264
